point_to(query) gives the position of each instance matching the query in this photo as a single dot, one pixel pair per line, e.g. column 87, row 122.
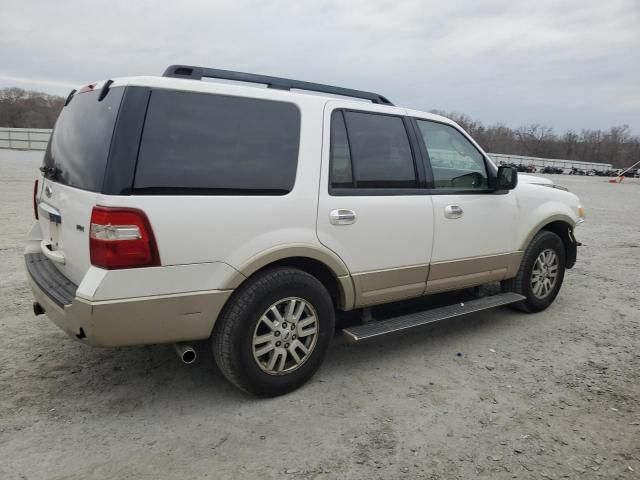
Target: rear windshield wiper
column 50, row 172
column 69, row 97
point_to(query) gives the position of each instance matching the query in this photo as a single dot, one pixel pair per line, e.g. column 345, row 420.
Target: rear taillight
column 121, row 238
column 35, row 201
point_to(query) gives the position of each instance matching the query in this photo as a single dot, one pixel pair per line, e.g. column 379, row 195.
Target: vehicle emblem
column 48, row 191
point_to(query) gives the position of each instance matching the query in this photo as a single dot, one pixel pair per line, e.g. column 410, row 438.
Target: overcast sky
column 570, row 64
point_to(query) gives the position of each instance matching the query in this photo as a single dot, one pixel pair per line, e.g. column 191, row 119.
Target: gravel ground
column 495, row 395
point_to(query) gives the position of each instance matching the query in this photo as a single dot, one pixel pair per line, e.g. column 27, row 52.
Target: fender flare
column 570, row 243
column 299, row 250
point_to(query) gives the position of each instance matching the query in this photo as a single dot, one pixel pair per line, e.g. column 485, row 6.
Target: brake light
column 121, row 238
column 87, row 88
column 35, row 202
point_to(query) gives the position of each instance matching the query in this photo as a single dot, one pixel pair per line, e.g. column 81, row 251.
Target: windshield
column 79, row 146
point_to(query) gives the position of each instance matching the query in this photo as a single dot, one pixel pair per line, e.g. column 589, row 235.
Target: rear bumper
column 131, row 321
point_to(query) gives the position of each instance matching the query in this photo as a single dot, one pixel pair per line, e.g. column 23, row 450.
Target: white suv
column 172, row 209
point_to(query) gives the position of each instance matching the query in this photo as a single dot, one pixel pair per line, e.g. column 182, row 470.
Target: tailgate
column 64, row 214
column 74, row 168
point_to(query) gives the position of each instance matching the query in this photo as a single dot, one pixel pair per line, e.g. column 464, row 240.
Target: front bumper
column 571, row 249
column 131, row 321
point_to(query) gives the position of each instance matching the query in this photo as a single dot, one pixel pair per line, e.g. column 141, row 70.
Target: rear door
column 373, row 209
column 74, row 168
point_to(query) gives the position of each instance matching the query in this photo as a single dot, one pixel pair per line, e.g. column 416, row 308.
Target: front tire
column 541, row 273
column 273, row 335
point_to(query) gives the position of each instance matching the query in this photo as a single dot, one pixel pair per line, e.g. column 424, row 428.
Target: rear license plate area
column 55, row 222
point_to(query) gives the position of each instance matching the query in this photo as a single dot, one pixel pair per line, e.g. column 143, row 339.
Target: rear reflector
column 121, row 238
column 35, row 201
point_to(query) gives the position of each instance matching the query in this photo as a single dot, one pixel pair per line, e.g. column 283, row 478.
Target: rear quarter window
column 196, row 143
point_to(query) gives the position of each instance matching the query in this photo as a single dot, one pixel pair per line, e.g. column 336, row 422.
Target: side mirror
column 507, row 178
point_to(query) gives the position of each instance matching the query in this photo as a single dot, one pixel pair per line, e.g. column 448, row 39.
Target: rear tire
column 274, row 333
column 541, row 273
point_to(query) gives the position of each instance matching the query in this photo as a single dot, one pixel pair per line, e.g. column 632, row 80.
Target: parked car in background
column 552, row 170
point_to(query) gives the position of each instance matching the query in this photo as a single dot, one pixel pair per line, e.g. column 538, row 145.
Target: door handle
column 342, row 217
column 453, row 211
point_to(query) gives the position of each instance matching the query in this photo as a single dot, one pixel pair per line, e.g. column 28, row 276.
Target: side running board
column 404, row 322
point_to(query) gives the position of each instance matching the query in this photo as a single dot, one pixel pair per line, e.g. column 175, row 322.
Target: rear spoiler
column 89, row 88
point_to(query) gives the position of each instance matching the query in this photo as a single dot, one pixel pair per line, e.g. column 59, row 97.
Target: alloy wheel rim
column 285, row 336
column 545, row 273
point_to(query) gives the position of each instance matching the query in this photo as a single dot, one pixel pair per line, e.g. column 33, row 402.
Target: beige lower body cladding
column 381, row 286
column 469, row 272
column 136, row 321
column 191, row 316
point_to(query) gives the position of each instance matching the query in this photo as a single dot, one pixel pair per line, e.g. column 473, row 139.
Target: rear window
column 213, row 144
column 79, row 145
column 370, row 150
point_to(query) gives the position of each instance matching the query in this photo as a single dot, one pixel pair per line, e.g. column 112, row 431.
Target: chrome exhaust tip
column 186, row 353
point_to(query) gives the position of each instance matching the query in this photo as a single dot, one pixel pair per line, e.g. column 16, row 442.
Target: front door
column 373, row 208
column 474, row 236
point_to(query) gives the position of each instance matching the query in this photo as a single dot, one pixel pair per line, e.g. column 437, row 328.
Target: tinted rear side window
column 341, row 175
column 380, row 151
column 213, row 144
column 79, row 145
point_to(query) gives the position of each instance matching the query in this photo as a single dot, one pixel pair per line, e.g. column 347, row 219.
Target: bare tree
column 617, row 145
column 28, row 109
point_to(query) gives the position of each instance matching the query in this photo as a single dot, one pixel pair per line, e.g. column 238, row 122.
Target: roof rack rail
column 197, row 73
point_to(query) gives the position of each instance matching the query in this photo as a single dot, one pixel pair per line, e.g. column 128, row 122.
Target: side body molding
column 469, row 272
column 381, row 286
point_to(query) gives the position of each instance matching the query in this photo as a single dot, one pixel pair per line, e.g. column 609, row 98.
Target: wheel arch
column 327, row 267
column 561, row 225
